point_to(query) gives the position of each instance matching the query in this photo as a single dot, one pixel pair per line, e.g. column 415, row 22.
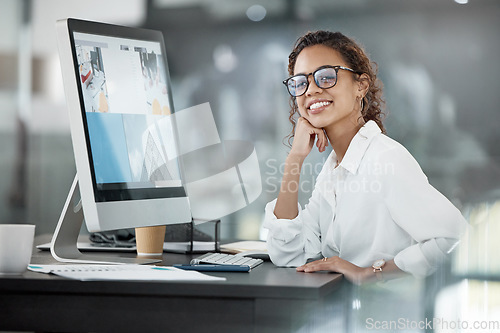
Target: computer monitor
column 119, row 99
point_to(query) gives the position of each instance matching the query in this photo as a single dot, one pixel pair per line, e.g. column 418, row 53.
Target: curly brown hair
column 355, row 58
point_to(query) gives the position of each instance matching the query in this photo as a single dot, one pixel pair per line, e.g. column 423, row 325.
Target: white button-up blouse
column 377, row 204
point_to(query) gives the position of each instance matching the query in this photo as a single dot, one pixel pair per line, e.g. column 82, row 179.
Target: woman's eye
column 327, row 79
column 301, row 84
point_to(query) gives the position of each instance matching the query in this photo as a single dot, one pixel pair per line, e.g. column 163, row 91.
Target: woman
column 372, row 214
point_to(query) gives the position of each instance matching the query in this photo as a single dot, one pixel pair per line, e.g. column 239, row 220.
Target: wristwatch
column 377, row 267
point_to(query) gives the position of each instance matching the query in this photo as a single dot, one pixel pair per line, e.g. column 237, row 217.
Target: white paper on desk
column 123, row 273
column 244, row 246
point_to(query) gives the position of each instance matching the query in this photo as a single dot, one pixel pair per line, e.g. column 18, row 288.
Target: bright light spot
column 462, row 2
column 356, row 304
column 256, row 13
column 224, row 58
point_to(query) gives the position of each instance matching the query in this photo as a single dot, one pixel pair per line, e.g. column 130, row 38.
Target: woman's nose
column 312, row 87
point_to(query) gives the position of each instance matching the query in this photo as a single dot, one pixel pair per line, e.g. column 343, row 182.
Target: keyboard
column 226, row 259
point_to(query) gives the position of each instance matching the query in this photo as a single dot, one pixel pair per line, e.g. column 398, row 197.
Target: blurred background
column 438, row 60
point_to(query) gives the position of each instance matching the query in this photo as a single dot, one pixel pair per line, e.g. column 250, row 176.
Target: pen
column 215, row 268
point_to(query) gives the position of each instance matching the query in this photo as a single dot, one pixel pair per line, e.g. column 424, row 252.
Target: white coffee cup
column 16, row 245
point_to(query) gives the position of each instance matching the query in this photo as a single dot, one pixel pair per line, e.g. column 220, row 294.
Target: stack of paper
column 244, row 246
column 123, row 273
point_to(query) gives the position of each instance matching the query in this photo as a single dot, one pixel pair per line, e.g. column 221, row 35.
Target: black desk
column 266, row 299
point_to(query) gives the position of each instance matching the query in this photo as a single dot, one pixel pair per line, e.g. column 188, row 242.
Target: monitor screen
column 123, row 129
column 126, row 109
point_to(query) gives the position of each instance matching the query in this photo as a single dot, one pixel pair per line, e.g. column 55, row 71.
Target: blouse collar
column 358, row 146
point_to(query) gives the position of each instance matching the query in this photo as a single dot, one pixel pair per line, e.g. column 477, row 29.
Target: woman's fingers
column 322, row 140
column 308, row 133
column 318, row 265
column 303, row 139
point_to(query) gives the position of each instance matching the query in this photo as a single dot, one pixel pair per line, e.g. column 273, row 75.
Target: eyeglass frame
column 336, row 68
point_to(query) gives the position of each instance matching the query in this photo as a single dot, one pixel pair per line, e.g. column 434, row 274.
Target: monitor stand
column 64, row 242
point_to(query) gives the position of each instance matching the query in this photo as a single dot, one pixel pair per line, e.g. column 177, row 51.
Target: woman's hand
column 353, row 273
column 303, row 139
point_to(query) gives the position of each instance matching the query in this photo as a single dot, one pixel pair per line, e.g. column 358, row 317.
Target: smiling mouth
column 318, row 105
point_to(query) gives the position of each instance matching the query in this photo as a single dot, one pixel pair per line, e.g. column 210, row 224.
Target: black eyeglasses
column 325, row 77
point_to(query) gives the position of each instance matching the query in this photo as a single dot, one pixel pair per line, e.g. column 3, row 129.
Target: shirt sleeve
column 432, row 221
column 291, row 243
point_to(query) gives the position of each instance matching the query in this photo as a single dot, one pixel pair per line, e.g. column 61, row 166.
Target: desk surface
column 266, row 280
column 264, row 287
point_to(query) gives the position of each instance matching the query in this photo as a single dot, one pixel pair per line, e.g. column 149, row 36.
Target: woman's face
column 337, row 105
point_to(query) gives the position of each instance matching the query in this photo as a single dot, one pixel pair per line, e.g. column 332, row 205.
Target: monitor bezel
column 120, row 191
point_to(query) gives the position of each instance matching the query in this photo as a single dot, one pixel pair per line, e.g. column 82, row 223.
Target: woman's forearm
column 286, row 205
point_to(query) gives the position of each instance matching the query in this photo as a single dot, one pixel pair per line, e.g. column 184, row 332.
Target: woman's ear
column 363, row 83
